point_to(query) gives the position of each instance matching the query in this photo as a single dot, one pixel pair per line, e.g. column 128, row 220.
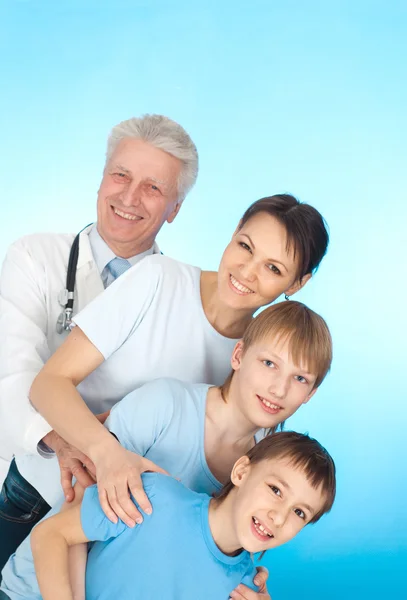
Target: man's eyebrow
column 128, row 172
column 272, row 260
column 121, row 168
column 160, row 181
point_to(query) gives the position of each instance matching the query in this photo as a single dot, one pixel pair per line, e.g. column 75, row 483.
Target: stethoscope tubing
column 65, row 318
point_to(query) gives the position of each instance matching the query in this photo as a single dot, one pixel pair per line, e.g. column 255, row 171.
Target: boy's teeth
column 261, row 529
column 269, row 404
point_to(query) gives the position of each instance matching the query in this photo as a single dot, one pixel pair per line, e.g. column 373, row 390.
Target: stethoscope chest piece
column 64, row 321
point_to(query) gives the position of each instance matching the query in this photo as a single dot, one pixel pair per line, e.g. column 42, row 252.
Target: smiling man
column 151, row 165
column 140, row 190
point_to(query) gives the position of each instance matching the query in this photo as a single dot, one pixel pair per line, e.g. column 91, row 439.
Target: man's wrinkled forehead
column 133, row 157
column 126, row 149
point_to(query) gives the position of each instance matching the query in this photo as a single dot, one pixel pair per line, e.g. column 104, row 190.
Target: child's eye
column 301, row 379
column 268, row 363
column 274, row 269
column 300, row 513
column 275, row 489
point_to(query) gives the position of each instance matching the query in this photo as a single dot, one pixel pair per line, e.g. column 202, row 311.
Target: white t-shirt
column 150, row 323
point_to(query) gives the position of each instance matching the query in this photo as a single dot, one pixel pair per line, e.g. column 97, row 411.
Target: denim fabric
column 21, row 507
column 3, row 596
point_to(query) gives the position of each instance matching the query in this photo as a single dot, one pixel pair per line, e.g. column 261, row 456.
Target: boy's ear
column 297, row 285
column 240, row 471
column 237, row 354
column 308, row 398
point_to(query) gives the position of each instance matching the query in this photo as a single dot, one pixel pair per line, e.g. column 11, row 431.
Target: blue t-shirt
column 164, row 420
column 171, row 555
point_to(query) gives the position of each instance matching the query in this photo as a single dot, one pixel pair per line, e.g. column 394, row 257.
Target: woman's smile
column 238, row 287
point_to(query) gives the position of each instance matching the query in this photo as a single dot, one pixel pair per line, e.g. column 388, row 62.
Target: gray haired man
column 151, row 165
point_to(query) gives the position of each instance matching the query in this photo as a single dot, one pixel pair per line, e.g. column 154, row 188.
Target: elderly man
column 151, row 165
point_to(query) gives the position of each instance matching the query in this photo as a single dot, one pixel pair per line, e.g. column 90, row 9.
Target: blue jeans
column 21, row 507
column 3, row 596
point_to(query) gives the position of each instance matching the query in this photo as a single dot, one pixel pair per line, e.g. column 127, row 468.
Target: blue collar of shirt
column 210, row 542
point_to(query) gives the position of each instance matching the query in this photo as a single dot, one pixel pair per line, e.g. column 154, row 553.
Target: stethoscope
column 66, row 296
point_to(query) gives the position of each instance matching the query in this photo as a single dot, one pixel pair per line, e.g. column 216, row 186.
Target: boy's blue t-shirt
column 171, row 555
column 164, row 420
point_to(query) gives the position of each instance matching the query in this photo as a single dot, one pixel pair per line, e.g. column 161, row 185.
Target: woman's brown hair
column 307, row 234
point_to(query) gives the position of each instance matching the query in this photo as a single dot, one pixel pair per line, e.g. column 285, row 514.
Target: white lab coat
column 33, row 275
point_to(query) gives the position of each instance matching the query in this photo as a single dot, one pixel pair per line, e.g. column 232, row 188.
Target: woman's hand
column 118, row 472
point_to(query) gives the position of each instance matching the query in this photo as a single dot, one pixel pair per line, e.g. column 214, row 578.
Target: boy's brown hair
column 303, row 453
column 306, row 332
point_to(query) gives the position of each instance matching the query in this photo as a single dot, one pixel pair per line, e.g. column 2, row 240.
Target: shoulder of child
column 158, row 393
column 166, row 488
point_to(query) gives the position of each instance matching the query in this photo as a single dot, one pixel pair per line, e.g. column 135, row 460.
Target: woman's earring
column 286, row 297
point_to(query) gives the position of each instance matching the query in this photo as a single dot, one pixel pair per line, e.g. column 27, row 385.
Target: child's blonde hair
column 306, row 332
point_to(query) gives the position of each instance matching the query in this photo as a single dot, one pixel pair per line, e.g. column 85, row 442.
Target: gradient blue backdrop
column 307, row 97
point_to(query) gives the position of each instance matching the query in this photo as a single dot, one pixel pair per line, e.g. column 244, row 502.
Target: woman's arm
column 50, row 542
column 55, row 396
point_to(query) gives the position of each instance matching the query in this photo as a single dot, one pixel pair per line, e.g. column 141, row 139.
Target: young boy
column 192, row 546
column 197, row 432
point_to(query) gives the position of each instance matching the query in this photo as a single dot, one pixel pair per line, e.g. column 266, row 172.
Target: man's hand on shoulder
column 72, row 463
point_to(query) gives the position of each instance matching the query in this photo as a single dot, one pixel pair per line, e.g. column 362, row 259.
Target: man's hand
column 118, row 471
column 72, row 463
column 103, row 416
column 244, row 593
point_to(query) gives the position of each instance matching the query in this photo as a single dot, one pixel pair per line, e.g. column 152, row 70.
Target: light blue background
column 308, row 97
